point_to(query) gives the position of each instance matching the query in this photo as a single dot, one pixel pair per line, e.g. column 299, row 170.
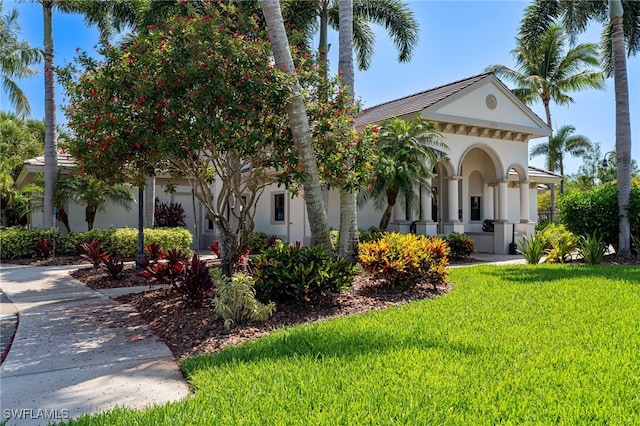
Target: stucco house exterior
column 486, row 175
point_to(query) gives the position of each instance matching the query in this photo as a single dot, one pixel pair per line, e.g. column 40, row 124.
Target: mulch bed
column 190, row 331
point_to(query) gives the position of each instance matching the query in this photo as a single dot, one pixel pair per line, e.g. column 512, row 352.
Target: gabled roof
column 415, row 103
column 436, row 104
column 36, row 165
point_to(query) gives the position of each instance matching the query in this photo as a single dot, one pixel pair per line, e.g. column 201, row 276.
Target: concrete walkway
column 77, row 351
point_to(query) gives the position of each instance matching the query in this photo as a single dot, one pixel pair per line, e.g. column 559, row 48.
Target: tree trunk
column 50, row 148
column 323, row 43
column 623, row 126
column 61, row 215
column 229, row 251
column 386, row 217
column 348, row 244
column 90, row 216
column 299, row 123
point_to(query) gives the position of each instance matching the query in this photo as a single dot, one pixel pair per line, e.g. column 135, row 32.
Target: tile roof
column 64, row 160
column 414, row 103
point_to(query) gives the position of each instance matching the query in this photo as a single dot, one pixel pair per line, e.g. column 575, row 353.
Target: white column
column 503, row 207
column 427, row 206
column 496, row 197
column 399, row 214
column 489, row 210
column 524, row 201
column 453, row 198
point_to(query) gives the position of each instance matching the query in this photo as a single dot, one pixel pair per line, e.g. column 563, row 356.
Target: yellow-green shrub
column 402, row 259
column 124, row 241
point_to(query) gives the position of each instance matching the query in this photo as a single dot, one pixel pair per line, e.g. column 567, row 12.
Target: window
column 278, row 207
column 476, row 208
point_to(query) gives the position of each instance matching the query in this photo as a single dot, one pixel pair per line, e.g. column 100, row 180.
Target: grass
column 556, row 344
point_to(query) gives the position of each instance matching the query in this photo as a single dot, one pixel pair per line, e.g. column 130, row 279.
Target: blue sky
column 458, row 39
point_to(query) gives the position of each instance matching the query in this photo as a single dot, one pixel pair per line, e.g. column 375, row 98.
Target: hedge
column 18, row 242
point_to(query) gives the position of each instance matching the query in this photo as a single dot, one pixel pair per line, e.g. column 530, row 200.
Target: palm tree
column 408, row 150
column 622, row 26
column 560, row 144
column 394, row 15
column 94, row 194
column 299, row 123
column 348, row 244
column 107, row 15
column 16, row 60
column 545, row 72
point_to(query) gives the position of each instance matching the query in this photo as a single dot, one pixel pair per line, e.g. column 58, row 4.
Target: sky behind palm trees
column 458, row 39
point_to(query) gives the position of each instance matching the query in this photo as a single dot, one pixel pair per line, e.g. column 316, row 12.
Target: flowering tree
column 200, row 98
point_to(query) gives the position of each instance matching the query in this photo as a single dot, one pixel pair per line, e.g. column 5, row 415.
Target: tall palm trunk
column 623, row 125
column 299, row 123
column 348, row 244
column 392, row 197
column 50, row 148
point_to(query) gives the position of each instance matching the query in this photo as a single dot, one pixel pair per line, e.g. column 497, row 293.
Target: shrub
column 93, row 252
column 169, row 215
column 461, row 245
column 43, row 248
column 291, row 273
column 592, row 249
column 403, row 259
column 235, row 300
column 169, row 271
column 114, row 266
column 487, row 225
column 532, row 249
column 559, row 242
column 371, row 234
column 255, row 242
column 17, row 242
column 582, row 212
column 125, row 240
column 215, row 248
column 195, row 282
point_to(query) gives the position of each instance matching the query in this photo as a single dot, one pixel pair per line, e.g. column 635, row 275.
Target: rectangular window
column 278, row 207
column 476, row 208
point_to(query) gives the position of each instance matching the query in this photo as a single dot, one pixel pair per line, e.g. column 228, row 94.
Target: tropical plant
column 460, row 245
column 235, row 299
column 43, row 248
column 20, row 140
column 532, row 248
column 169, row 215
column 287, row 273
column 406, row 259
column 558, row 145
column 195, row 284
column 592, row 248
column 16, row 60
column 93, row 251
column 545, row 72
column 94, row 194
column 394, row 15
column 407, row 152
column 559, row 243
column 114, row 266
column 621, row 22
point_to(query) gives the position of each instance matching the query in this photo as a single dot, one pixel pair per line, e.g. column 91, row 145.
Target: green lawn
column 509, row 345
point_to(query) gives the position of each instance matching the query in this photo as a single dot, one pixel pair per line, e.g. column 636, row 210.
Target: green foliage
column 460, row 245
column 18, row 242
column 285, row 273
column 559, row 243
column 592, row 249
column 254, row 241
column 582, row 212
column 235, row 299
column 371, row 234
column 404, row 259
column 125, row 240
column 532, row 248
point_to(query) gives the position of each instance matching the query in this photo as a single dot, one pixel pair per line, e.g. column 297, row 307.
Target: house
column 486, row 174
